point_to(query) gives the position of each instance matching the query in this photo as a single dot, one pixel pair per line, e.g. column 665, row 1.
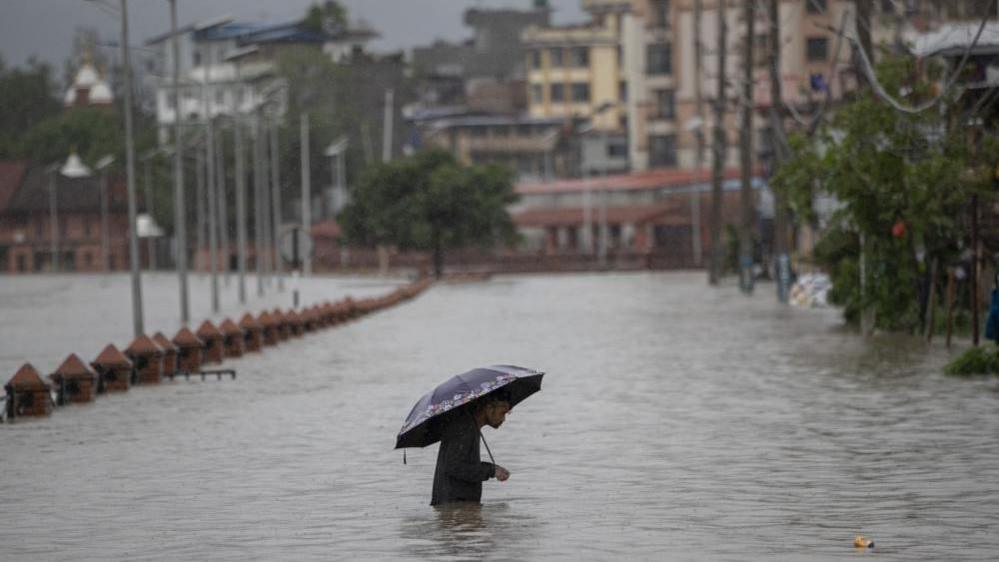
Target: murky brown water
column 675, row 421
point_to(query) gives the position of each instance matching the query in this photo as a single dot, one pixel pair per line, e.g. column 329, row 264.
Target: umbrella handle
column 487, row 448
column 479, row 430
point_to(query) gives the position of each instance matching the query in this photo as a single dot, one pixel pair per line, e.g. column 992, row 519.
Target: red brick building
column 661, row 211
column 26, row 221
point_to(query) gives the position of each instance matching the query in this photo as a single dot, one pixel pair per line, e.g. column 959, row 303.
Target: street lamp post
column 276, row 204
column 103, row 164
column 306, row 190
column 179, row 211
column 133, row 239
column 53, row 218
column 206, row 98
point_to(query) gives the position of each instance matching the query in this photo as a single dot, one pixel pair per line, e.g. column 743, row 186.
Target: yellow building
column 576, row 71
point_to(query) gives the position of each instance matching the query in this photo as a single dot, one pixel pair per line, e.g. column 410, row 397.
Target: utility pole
column 105, row 236
column 387, row 122
column 276, row 204
column 199, row 207
column 258, row 207
column 213, row 241
column 717, row 247
column 133, row 238
column 695, row 198
column 179, row 210
column 265, row 197
column 239, row 153
column 746, row 154
column 54, row 218
column 306, row 190
column 783, row 272
column 223, row 201
column 148, row 196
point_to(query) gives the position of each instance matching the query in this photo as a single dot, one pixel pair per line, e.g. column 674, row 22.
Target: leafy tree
column 903, row 181
column 329, row 17
column 430, row 202
column 27, row 97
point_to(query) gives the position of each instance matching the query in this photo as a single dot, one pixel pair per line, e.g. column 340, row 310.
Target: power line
column 884, row 95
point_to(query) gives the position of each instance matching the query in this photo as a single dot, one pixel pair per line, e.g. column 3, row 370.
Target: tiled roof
column 11, row 176
column 660, row 178
column 143, row 345
column 208, row 330
column 186, row 338
column 164, row 342
column 111, row 357
column 73, row 194
column 27, row 378
column 230, row 328
column 574, row 216
column 73, row 366
column 249, row 322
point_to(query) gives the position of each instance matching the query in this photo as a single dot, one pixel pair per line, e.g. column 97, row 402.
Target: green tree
column 430, row 202
column 27, row 97
column 328, row 17
column 889, row 170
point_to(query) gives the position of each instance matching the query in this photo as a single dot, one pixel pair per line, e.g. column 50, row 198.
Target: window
column 887, row 6
column 219, row 97
column 581, row 92
column 622, row 90
column 659, row 56
column 556, row 57
column 558, row 93
column 660, row 14
column 817, row 49
column 580, row 57
column 617, row 150
column 196, row 57
column 535, row 59
column 536, row 93
column 665, row 104
column 816, row 6
column 662, row 150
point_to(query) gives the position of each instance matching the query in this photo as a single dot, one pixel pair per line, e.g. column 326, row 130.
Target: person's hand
column 501, row 473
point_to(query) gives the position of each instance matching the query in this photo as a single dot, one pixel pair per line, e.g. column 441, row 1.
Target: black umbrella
column 432, row 412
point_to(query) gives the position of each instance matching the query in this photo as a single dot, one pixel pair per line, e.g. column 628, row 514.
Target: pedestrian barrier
column 74, row 381
column 234, row 338
column 148, row 359
column 281, row 325
column 214, row 342
column 191, row 349
column 28, row 394
column 170, row 352
column 252, row 333
column 114, row 370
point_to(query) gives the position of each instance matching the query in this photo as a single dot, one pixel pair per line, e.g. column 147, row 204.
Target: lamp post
column 179, row 211
column 213, row 250
column 103, row 164
column 53, row 218
column 133, row 239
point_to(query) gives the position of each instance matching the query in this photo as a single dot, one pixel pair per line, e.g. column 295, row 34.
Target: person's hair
column 494, row 397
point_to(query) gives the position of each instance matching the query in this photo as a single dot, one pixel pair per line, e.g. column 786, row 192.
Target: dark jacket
column 460, row 473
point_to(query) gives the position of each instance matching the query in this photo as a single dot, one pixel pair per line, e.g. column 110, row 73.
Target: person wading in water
column 460, row 472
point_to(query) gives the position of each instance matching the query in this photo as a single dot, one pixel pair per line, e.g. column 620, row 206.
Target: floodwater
column 675, row 421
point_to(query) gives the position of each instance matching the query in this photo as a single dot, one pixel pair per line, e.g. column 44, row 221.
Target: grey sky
column 45, row 28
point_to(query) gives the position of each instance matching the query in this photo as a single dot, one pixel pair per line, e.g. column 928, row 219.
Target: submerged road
column 674, row 420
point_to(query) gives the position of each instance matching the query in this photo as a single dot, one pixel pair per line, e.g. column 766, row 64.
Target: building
column 89, row 87
column 480, row 69
column 576, row 71
column 42, row 211
column 664, row 211
column 532, row 147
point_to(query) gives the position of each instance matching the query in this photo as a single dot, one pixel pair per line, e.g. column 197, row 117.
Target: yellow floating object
column 860, row 541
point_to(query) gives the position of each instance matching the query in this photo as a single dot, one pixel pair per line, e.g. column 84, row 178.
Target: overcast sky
column 45, row 28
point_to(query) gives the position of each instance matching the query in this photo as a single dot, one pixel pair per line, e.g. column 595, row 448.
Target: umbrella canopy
column 426, row 420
